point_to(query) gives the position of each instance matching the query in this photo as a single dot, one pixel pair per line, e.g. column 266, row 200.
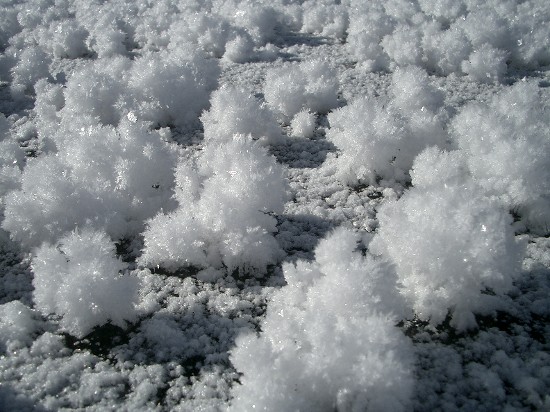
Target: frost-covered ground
column 275, row 205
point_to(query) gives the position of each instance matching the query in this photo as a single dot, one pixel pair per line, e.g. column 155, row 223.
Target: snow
column 80, row 280
column 284, row 205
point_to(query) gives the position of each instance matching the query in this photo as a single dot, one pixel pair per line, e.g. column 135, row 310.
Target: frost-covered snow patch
column 109, row 178
column 310, row 205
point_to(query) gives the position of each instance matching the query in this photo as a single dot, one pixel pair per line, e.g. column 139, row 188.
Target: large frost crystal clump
column 224, row 214
column 79, row 279
column 309, row 85
column 328, row 341
column 106, row 177
column 453, row 247
column 235, row 111
column 379, row 138
column 507, row 148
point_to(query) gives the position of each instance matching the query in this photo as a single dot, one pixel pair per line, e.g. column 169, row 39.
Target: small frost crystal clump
column 328, row 341
column 223, row 218
column 79, row 279
column 17, row 325
column 453, row 247
column 234, row 111
column 309, row 85
column 303, row 124
column 380, row 138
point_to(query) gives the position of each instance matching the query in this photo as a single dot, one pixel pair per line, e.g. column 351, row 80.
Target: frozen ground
column 284, row 205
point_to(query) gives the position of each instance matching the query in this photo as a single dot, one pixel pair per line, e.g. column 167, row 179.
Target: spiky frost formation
column 328, row 341
column 80, row 280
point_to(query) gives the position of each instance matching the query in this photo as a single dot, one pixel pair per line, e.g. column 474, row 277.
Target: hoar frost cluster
column 284, row 205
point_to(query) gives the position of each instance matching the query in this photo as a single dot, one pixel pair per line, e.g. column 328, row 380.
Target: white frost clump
column 162, row 88
column 32, row 65
column 324, row 18
column 79, row 279
column 328, row 341
column 106, row 177
column 303, row 124
column 508, row 150
column 17, row 325
column 12, row 160
column 224, row 214
column 235, row 111
column 486, row 64
column 466, row 37
column 453, row 247
column 380, row 139
column 309, row 85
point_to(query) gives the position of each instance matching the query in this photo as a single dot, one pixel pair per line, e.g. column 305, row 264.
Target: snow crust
column 285, row 205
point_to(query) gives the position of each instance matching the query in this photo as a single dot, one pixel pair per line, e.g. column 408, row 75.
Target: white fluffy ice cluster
column 80, row 280
column 105, row 177
column 451, row 235
column 18, row 324
column 379, row 138
column 507, row 150
column 476, row 38
column 328, row 341
column 224, row 214
column 453, row 246
column 310, row 85
column 235, row 111
column 12, row 160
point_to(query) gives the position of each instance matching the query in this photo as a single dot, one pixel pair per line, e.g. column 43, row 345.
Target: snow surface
column 286, row 205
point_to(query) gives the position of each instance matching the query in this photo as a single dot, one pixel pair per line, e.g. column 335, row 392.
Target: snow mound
column 328, row 341
column 453, row 246
column 303, row 124
column 12, row 160
column 234, row 111
column 379, row 138
column 225, row 211
column 106, row 177
column 309, row 85
column 18, row 324
column 498, row 137
column 161, row 88
column 79, row 280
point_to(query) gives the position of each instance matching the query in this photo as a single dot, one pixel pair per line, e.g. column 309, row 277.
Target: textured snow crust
column 285, row 205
